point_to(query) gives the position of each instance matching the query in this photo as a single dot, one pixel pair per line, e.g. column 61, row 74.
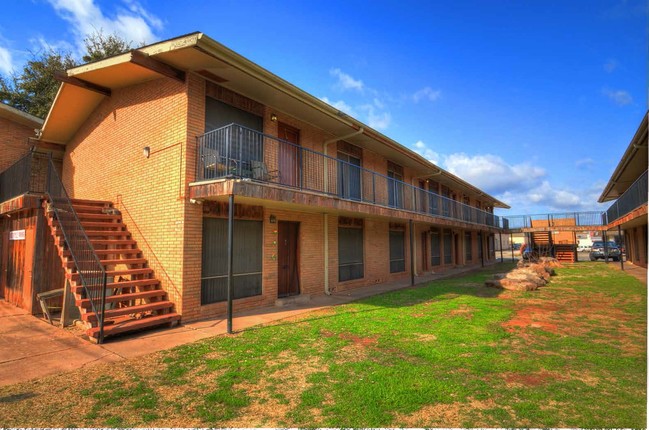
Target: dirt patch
column 534, row 317
column 439, row 415
column 359, row 340
column 534, row 379
column 463, row 311
column 426, row 337
column 278, row 393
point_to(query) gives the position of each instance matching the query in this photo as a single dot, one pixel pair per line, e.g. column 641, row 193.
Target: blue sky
column 532, row 101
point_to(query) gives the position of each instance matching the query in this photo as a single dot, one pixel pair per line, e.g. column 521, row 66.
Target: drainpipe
column 325, row 218
column 324, row 150
column 412, row 254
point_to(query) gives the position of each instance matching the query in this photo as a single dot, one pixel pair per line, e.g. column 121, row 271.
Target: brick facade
column 14, row 142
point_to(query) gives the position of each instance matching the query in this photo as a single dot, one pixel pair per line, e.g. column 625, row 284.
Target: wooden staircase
column 542, row 243
column 565, row 253
column 134, row 299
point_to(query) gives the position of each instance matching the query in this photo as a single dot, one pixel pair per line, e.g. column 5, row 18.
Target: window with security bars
column 246, row 271
column 350, row 253
column 435, row 247
column 468, row 245
column 448, row 247
column 397, row 252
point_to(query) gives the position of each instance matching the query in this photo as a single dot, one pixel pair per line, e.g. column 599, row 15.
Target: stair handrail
column 92, row 274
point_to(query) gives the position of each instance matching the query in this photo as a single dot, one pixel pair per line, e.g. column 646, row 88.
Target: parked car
column 516, row 246
column 583, row 248
column 597, row 251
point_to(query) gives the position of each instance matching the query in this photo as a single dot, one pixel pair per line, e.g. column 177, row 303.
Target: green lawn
column 452, row 353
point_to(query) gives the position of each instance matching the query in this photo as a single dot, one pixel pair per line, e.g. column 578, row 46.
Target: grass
column 452, row 353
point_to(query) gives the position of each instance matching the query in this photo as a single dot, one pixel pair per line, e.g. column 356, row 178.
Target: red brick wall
column 105, row 161
column 13, row 142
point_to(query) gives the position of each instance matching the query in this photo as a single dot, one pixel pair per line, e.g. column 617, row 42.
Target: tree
column 33, row 90
column 100, row 46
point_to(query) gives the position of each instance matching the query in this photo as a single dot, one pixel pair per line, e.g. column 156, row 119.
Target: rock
column 526, row 276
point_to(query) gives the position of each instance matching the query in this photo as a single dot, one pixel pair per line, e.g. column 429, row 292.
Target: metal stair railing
column 92, row 275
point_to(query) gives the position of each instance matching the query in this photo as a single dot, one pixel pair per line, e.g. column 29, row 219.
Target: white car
column 583, row 248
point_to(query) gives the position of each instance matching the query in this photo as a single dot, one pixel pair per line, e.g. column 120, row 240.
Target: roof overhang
column 20, row 117
column 631, row 166
column 197, row 53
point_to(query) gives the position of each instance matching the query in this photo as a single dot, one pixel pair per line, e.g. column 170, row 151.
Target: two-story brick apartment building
column 170, row 132
column 627, row 188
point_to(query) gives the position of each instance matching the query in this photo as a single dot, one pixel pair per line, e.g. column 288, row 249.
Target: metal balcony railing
column 235, row 151
column 633, row 197
column 27, row 175
column 567, row 219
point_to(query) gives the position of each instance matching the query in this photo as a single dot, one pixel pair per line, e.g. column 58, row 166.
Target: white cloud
column 340, row 105
column 375, row 118
column 585, row 163
column 6, row 61
column 491, row 173
column 133, row 24
column 619, row 97
column 610, row 65
column 422, row 149
column 426, row 93
column 345, row 81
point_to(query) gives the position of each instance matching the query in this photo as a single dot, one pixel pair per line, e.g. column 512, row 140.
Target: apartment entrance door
column 288, row 277
column 289, row 155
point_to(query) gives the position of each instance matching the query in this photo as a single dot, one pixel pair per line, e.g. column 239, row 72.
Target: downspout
column 325, row 218
column 324, row 150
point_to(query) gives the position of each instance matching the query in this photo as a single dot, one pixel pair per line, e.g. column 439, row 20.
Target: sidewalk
column 32, row 348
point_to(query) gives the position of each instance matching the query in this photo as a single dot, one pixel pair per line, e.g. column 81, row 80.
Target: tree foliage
column 33, row 89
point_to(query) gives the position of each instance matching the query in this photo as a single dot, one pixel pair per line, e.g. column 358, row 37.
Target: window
column 246, row 271
column 448, row 248
column 234, row 147
column 395, row 185
column 397, row 251
column 468, row 244
column 349, row 177
column 350, row 253
column 435, row 247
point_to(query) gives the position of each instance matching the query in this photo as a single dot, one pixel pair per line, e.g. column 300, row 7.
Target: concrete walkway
column 32, row 348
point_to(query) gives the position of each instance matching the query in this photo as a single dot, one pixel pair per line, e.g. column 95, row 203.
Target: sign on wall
column 17, row 235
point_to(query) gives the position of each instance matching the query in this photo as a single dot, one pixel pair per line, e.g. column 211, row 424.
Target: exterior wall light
column 273, row 219
column 147, row 151
column 273, row 117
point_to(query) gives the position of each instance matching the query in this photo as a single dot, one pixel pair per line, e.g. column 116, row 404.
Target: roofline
column 219, row 51
column 16, row 115
column 636, row 142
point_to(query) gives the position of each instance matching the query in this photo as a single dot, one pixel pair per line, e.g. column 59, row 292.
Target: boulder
column 526, row 276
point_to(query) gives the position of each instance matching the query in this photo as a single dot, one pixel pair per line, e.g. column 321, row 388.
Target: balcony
column 237, row 152
column 557, row 221
column 634, row 197
column 27, row 175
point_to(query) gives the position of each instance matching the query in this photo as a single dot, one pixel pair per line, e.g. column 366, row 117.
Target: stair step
column 99, row 216
column 104, row 252
column 78, row 289
column 91, row 202
column 112, row 242
column 96, row 233
column 85, row 303
column 112, row 313
column 111, row 273
column 126, row 261
column 78, row 208
column 133, row 325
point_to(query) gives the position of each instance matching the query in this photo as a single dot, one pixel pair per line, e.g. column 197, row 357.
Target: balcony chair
column 260, row 171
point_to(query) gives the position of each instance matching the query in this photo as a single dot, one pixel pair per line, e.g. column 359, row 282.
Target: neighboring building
column 628, row 187
column 17, row 129
column 322, row 202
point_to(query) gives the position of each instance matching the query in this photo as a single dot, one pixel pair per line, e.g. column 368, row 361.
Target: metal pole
column 230, row 259
column 511, row 244
column 500, row 239
column 574, row 239
column 605, row 246
column 412, row 254
column 102, row 307
column 619, row 233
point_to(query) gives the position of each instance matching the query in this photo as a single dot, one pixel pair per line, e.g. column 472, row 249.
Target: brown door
column 288, row 278
column 289, row 155
column 424, row 252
